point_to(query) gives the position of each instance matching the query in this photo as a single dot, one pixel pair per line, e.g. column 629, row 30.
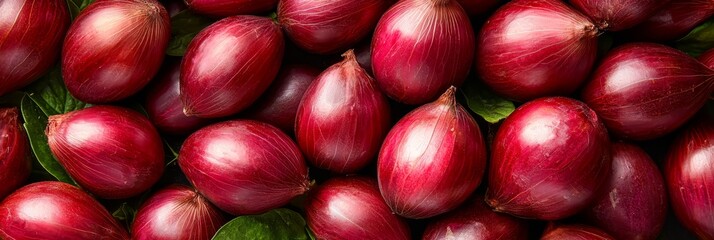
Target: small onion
column 548, row 159
column 535, row 48
column 176, row 212
column 114, row 48
column 110, row 151
column 15, row 160
column 432, row 159
column 420, row 48
column 478, row 7
column 225, row 8
column 616, row 15
column 707, row 58
column 56, row 210
column 31, row 33
column 351, row 208
column 342, row 118
column 673, row 21
column 645, row 90
column 229, row 64
column 244, row 166
column 574, row 232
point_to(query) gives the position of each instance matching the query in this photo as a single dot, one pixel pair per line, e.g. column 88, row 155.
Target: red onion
column 633, row 202
column 478, row 7
column 114, row 48
column 225, row 8
column 229, row 64
column 707, row 58
column 574, row 232
column 244, row 166
column 342, row 118
column 644, row 90
column 548, row 159
column 420, row 48
column 15, row 161
column 673, row 21
column 616, row 15
column 176, row 212
column 432, row 159
column 52, row 210
column 535, row 48
column 31, row 34
column 351, row 208
column 110, row 151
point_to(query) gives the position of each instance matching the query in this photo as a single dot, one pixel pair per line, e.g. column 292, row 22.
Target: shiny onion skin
column 260, row 166
column 351, row 208
column 707, row 58
column 229, row 64
column 110, row 151
column 15, row 158
column 225, row 8
column 478, row 7
column 52, row 210
column 689, row 173
column 31, row 33
column 432, row 159
column 616, row 15
column 114, row 48
column 329, row 26
column 548, row 159
column 342, row 118
column 643, row 91
column 574, row 232
column 420, row 48
column 633, row 202
column 176, row 212
column 673, row 21
column 535, row 48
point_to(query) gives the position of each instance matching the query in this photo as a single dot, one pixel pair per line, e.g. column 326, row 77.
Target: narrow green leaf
column 276, row 224
column 184, row 26
column 125, row 213
column 485, row 103
column 699, row 40
column 50, row 94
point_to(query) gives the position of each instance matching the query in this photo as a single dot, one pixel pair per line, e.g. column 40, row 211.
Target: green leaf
column 50, row 94
column 485, row 103
column 276, row 224
column 184, row 26
column 125, row 213
column 76, row 6
column 699, row 40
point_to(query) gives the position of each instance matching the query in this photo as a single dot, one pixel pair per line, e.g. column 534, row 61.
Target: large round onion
column 645, row 90
column 225, row 8
column 420, row 48
column 673, row 21
column 478, row 7
column 31, row 33
column 574, row 232
column 229, row 64
column 548, row 159
column 15, row 161
column 114, row 48
column 432, row 159
column 244, row 166
column 536, row 48
column 616, row 15
column 54, row 210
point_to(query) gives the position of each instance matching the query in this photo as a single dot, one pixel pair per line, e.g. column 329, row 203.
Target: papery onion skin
column 548, row 159
column 225, row 8
column 31, row 34
column 229, row 64
column 536, row 48
column 616, row 15
column 420, row 48
column 707, row 58
column 643, row 91
column 352, row 208
column 342, row 118
column 673, row 21
column 478, row 7
column 258, row 165
column 176, row 212
column 112, row 152
column 633, row 202
column 432, row 159
column 114, row 48
column 575, row 232
column 52, row 210
column 15, row 158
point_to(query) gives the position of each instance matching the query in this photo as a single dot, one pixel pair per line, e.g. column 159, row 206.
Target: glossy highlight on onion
column 225, row 8
column 15, row 158
column 616, row 15
column 574, row 232
column 673, row 21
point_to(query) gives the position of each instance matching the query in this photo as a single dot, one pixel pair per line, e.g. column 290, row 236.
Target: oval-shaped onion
column 616, row 15
column 244, row 166
column 52, row 210
column 535, row 48
column 114, row 48
column 225, row 8
column 15, row 158
column 574, row 232
column 420, row 48
column 176, row 212
column 478, row 7
column 673, row 21
column 351, row 208
column 432, row 159
column 645, row 90
column 342, row 118
column 229, row 64
column 110, row 151
column 707, row 58
column 548, row 159
column 633, row 202
column 31, row 33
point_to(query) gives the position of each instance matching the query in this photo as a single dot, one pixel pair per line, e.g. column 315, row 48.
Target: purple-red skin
column 225, row 8
column 413, row 58
column 229, row 64
column 633, row 202
column 114, row 48
column 574, row 232
column 673, row 21
column 642, row 91
column 31, row 34
column 352, row 208
column 478, row 7
column 616, row 15
column 110, row 151
column 342, row 118
column 15, row 156
column 548, row 159
column 536, row 48
column 52, row 210
column 707, row 58
column 432, row 159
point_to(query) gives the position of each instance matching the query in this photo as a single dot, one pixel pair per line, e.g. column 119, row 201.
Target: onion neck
column 449, row 97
